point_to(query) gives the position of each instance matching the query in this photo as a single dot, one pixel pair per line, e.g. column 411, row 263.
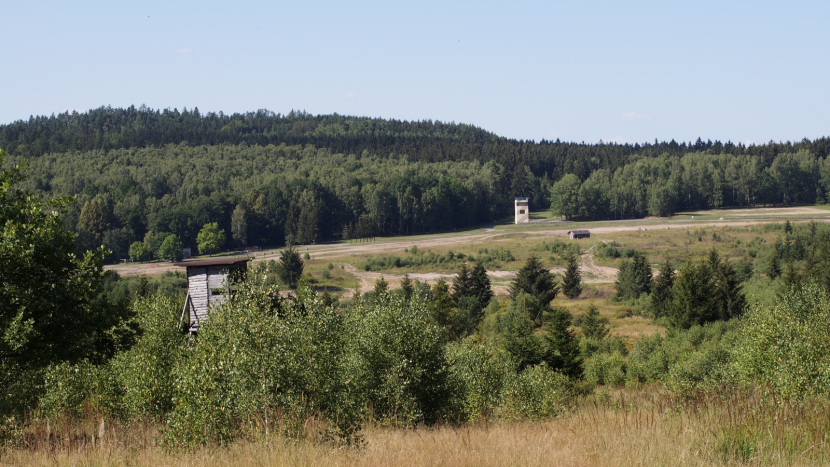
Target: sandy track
column 591, row 271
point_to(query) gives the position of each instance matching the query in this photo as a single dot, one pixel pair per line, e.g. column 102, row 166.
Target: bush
column 559, row 248
column 788, row 345
column 416, row 258
column 606, row 368
column 145, row 373
column 478, row 374
column 608, row 250
column 68, row 388
column 399, row 360
column 684, row 360
column 259, row 356
column 536, row 393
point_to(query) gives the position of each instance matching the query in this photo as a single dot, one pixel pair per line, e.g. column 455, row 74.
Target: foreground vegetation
column 615, row 428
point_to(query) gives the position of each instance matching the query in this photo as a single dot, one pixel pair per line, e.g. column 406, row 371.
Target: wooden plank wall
column 200, row 285
column 217, row 279
column 197, row 287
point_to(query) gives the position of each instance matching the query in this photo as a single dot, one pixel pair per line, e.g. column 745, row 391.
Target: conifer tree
column 461, row 284
column 774, row 267
column 561, row 345
column 442, row 306
column 381, row 286
column 593, row 325
column 290, row 266
column 572, row 283
column 480, row 285
column 533, row 279
column 518, row 337
column 661, row 291
column 727, row 295
column 406, row 287
column 634, row 277
column 692, row 302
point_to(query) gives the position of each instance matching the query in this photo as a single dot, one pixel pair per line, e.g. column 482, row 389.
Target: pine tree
column 692, row 302
column 593, row 325
column 462, row 283
column 774, row 267
column 518, row 337
column 442, row 306
column 572, row 284
column 406, row 287
column 727, row 295
column 480, row 285
column 661, row 291
column 381, row 287
column 634, row 277
column 535, row 280
column 290, row 266
column 561, row 346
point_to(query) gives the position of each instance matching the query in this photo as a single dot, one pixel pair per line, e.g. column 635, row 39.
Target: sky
column 587, row 71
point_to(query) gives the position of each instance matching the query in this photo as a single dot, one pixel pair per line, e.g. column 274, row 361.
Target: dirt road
column 591, row 272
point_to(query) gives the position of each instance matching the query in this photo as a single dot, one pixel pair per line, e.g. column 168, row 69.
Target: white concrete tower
column 522, row 211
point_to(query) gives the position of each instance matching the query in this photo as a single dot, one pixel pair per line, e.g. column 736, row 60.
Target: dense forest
column 141, row 175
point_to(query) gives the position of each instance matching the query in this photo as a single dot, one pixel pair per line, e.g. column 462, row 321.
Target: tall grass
column 642, row 426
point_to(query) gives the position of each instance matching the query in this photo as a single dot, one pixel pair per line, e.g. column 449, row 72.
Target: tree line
column 263, row 195
column 664, row 185
column 109, row 128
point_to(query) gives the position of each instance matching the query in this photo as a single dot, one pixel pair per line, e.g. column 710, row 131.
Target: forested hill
column 109, row 128
column 143, row 175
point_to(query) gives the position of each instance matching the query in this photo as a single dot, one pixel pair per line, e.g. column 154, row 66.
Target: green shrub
column 608, row 250
column 478, row 374
column 68, row 387
column 259, row 356
column 416, row 258
column 399, row 360
column 536, row 393
column 559, row 248
column 684, row 360
column 787, row 345
column 145, row 373
column 606, row 368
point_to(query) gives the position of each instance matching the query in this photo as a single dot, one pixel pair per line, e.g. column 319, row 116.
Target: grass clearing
column 623, row 427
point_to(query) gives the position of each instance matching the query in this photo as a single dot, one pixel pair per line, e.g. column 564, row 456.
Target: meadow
column 616, row 427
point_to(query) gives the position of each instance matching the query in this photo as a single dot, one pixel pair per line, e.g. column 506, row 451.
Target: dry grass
column 619, row 428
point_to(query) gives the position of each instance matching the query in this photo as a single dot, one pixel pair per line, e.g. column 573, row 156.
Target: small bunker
column 208, row 282
column 577, row 234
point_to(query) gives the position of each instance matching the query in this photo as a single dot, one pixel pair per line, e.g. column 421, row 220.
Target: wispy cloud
column 349, row 95
column 636, row 117
column 184, row 51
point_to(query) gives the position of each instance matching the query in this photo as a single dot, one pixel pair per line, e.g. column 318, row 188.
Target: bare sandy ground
column 590, row 271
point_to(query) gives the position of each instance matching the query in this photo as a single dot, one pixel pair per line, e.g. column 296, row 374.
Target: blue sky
column 578, row 71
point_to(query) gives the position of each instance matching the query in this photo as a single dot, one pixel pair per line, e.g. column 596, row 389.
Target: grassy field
column 628, row 427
